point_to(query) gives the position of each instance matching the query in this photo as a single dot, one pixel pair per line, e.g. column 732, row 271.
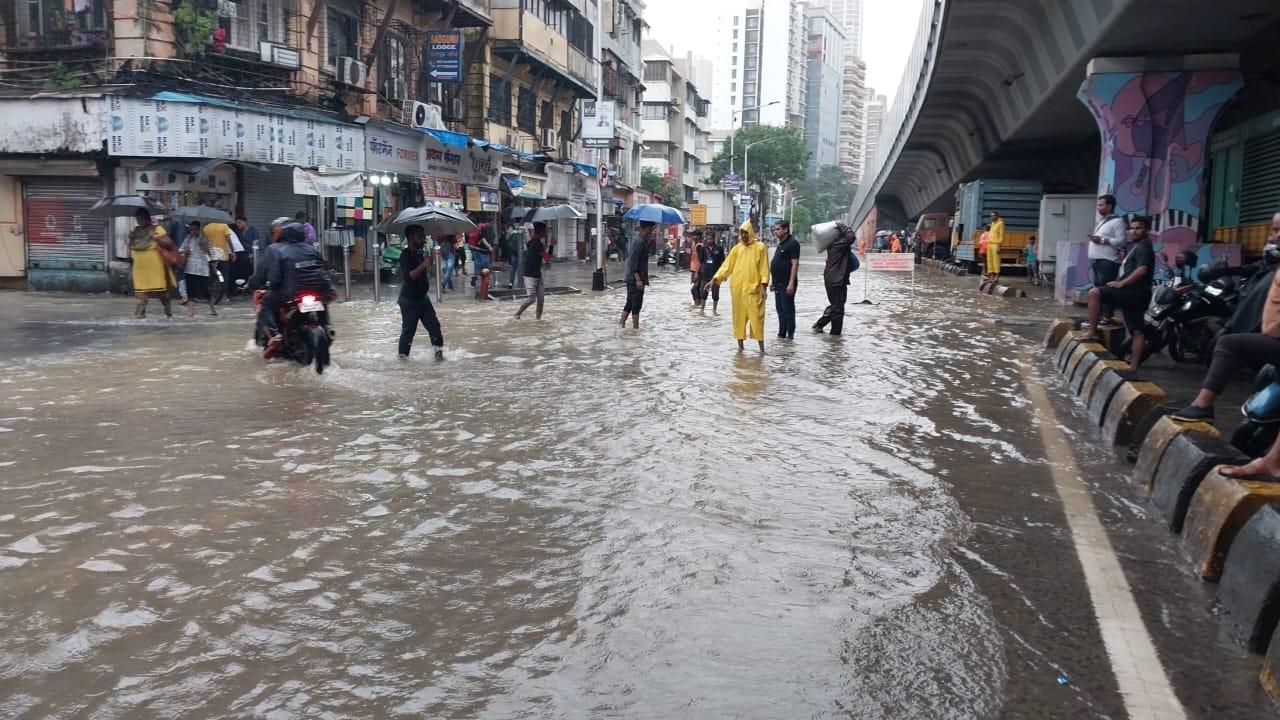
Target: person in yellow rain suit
column 747, row 268
column 994, row 241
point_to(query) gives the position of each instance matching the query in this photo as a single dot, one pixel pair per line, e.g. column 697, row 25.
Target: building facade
column 853, row 103
column 824, row 95
column 759, row 51
column 676, row 119
column 877, row 106
column 849, row 14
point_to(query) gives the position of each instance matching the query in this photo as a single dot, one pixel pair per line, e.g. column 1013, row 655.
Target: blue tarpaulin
column 448, row 137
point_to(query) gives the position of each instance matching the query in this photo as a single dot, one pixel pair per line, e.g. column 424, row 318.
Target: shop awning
column 300, row 113
column 448, row 137
column 198, row 166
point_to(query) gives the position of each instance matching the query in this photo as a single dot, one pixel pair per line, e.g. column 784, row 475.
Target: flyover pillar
column 1156, row 118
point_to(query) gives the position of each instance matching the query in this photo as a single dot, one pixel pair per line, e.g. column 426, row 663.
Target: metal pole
column 346, row 270
column 599, row 279
column 439, row 290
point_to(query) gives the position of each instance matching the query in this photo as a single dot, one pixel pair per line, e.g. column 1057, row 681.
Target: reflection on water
column 563, row 519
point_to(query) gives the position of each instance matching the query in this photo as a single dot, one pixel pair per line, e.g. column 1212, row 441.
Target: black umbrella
column 557, row 212
column 125, row 206
column 202, row 213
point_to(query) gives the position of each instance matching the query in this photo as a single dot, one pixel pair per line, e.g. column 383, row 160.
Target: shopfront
column 393, row 182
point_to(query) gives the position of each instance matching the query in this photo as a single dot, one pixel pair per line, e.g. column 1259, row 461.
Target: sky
column 890, row 27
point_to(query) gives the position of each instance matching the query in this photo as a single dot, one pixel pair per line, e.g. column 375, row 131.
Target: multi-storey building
column 822, row 115
column 676, row 129
column 760, row 59
column 853, row 102
column 623, row 65
column 465, row 103
column 849, row 14
column 877, row 105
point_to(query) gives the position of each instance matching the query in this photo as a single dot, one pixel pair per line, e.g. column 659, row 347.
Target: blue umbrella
column 655, row 213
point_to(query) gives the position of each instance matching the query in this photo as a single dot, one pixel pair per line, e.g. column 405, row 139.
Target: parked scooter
column 1185, row 317
column 1261, row 411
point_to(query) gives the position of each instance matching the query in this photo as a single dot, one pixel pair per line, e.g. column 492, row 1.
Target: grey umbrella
column 556, row 212
column 201, row 213
column 434, row 221
column 125, row 206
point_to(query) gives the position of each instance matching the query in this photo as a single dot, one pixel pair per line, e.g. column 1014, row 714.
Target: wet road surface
column 565, row 519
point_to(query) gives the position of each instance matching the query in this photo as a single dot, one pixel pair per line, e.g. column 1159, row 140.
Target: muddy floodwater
column 560, row 520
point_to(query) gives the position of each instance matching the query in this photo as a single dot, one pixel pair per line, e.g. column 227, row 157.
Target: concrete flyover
column 991, row 90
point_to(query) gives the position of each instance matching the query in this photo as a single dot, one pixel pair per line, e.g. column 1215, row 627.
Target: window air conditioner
column 397, row 89
column 352, row 72
column 457, row 109
column 566, row 150
column 548, row 138
column 514, row 141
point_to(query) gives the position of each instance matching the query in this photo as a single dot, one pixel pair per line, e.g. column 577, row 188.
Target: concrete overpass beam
column 1156, row 117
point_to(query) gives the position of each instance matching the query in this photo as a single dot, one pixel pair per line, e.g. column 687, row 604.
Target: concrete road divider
column 1129, row 405
column 1089, row 355
column 1189, row 458
column 1249, row 594
column 1218, row 511
column 1095, row 374
column 1103, row 392
column 1269, row 675
column 1113, row 339
column 1065, row 349
column 1160, row 434
column 1058, row 331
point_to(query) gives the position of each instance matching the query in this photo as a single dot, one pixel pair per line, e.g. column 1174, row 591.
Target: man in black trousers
column 835, row 276
column 415, row 304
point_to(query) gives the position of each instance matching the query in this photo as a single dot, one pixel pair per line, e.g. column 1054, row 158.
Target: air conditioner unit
column 548, row 137
column 456, row 109
column 419, row 114
column 352, row 72
column 279, row 55
column 435, row 93
column 514, row 141
column 566, row 150
column 397, row 89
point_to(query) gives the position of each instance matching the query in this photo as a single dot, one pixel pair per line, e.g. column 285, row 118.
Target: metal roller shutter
column 61, row 235
column 269, row 195
column 1260, row 181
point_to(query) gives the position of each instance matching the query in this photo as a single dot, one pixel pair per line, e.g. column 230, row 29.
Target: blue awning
column 448, row 137
column 300, row 113
column 588, row 169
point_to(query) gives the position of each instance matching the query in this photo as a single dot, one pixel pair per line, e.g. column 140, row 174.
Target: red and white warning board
column 890, row 262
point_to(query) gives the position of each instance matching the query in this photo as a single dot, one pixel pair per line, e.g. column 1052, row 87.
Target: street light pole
column 746, row 157
column 602, row 154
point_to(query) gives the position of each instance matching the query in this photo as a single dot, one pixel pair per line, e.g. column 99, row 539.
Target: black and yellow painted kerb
column 1230, row 527
column 987, row 287
column 944, row 266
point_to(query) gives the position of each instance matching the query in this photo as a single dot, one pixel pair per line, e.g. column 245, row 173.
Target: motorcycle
column 1261, row 411
column 304, row 325
column 1186, row 318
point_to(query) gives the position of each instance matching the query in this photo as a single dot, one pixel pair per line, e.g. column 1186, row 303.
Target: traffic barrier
column 1095, row 374
column 1058, row 331
column 1144, row 428
column 1218, row 511
column 1271, row 671
column 1112, row 338
column 1189, row 458
column 1084, row 353
column 1158, row 438
column 1067, row 347
column 1086, row 366
column 1130, row 403
column 1103, row 391
column 1249, row 593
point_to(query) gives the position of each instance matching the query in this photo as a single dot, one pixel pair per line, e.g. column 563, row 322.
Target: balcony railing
column 49, row 25
column 580, row 67
column 612, row 82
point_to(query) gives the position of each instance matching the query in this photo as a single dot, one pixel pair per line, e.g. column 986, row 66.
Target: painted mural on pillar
column 1155, row 131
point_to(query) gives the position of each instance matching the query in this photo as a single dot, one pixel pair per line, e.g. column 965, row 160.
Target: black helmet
column 1271, row 253
column 293, row 232
column 1188, row 258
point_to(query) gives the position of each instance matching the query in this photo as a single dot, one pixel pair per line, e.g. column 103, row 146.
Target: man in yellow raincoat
column 994, row 241
column 747, row 268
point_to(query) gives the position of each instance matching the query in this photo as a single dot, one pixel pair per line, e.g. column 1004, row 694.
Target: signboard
column 890, row 262
column 444, row 56
column 307, row 182
column 144, row 127
column 597, row 123
column 482, row 199
column 731, row 181
column 392, row 151
column 744, row 201
column 697, row 214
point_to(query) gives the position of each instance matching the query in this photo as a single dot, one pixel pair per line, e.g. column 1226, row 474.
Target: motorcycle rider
column 293, row 267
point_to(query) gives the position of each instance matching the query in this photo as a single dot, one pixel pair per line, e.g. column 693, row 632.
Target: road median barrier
column 1063, row 354
column 1160, row 434
column 1103, row 392
column 1220, row 508
column 986, row 287
column 1249, row 592
column 1083, row 358
column 1093, row 379
column 1184, row 465
column 1058, row 331
column 1129, row 404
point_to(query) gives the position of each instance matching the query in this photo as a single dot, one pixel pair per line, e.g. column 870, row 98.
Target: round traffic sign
column 603, row 174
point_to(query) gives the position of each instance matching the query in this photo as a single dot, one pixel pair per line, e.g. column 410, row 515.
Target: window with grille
column 249, row 22
column 342, row 36
column 656, row 71
column 499, row 100
column 655, row 111
column 525, row 119
column 394, row 72
column 547, row 118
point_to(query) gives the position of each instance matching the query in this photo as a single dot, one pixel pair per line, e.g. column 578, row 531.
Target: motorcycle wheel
column 1188, row 347
column 319, row 340
column 1253, row 439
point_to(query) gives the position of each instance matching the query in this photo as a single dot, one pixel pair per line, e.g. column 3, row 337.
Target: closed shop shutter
column 61, row 235
column 1260, row 181
column 269, row 195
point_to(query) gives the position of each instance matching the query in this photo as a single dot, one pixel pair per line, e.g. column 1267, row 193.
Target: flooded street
column 563, row 519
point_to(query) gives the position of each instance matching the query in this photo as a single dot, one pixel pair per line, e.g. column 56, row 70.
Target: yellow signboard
column 697, row 214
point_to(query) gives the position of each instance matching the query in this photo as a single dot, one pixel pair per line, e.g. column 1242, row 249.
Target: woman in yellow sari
column 747, row 269
column 151, row 274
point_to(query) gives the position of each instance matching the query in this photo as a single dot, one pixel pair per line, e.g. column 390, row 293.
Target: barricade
column 1058, row 332
column 1158, row 438
column 1220, row 508
column 1249, row 594
column 1129, row 405
column 1189, row 458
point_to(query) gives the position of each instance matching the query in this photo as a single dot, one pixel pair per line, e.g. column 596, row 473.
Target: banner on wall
column 482, row 199
column 307, row 182
column 597, row 123
column 389, row 150
column 147, row 127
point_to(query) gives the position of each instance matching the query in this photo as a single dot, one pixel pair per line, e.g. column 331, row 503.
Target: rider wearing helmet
column 293, row 267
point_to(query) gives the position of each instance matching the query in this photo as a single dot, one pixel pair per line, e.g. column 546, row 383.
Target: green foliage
column 780, row 157
column 195, row 23
column 672, row 191
column 801, row 220
column 831, row 189
column 61, row 79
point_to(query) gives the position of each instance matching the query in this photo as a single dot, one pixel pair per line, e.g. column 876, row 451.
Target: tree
column 671, row 191
column 831, row 189
column 801, row 220
column 779, row 157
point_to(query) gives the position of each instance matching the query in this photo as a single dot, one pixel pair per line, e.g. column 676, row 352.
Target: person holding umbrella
column 532, row 270
column 637, row 275
column 415, row 301
column 148, row 245
column 747, row 269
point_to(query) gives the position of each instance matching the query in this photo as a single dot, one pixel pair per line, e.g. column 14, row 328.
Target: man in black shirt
column 711, row 256
column 783, row 272
column 1131, row 293
column 637, row 275
column 415, row 304
column 532, row 270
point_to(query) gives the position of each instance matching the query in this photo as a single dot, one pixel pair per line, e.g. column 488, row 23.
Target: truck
column 934, row 227
column 1063, row 218
column 1017, row 201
